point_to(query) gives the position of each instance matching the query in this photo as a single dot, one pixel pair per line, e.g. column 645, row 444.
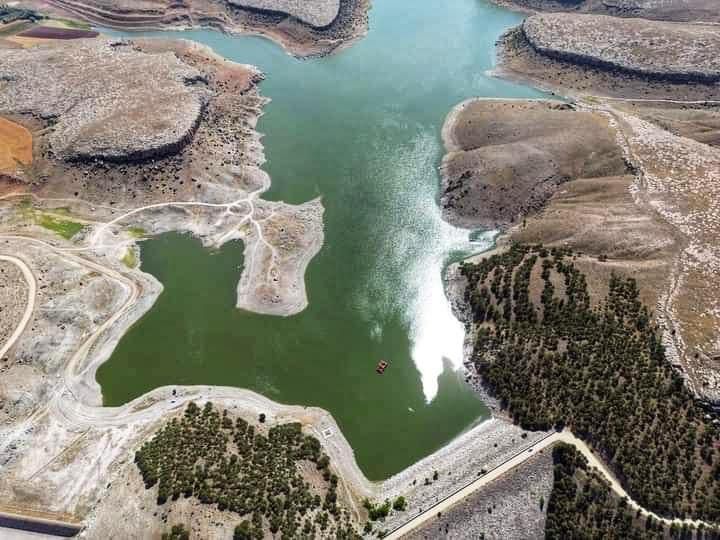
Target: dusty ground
column 700, row 122
column 15, row 146
column 513, row 507
column 655, row 218
column 575, row 76
column 306, row 28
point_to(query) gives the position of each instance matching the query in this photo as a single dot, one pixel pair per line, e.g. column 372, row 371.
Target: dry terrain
column 671, row 52
column 640, row 201
column 15, row 146
column 194, row 167
column 304, row 28
column 13, row 296
column 507, row 158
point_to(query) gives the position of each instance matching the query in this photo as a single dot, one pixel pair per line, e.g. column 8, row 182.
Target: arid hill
column 651, row 49
column 130, row 106
column 630, row 197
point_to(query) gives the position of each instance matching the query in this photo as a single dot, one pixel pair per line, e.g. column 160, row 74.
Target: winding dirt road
column 32, row 291
column 494, row 474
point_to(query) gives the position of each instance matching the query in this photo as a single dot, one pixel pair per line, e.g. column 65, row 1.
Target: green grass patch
column 137, row 232
column 74, row 23
column 130, row 259
column 64, row 227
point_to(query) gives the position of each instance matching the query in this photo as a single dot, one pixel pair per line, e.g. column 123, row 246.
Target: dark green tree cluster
column 9, row 14
column 597, row 367
column 177, row 532
column 582, row 506
column 207, row 455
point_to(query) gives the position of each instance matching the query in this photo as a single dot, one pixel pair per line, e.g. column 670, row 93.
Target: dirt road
column 32, row 290
column 564, row 436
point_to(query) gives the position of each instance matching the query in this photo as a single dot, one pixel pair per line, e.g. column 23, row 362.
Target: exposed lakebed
column 361, row 129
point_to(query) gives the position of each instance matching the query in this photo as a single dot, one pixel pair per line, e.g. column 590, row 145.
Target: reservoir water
column 361, row 129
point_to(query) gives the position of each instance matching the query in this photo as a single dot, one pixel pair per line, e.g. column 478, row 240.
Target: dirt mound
column 109, row 99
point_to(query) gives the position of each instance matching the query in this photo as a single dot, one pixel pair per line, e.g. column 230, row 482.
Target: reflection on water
column 361, row 129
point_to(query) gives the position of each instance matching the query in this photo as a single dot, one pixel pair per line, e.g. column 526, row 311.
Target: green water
column 362, row 130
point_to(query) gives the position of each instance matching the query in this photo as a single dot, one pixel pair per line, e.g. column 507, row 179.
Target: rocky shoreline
column 298, row 37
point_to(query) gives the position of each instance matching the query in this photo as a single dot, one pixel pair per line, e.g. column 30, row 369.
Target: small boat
column 382, row 365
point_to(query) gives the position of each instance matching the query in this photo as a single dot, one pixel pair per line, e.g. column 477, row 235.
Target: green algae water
column 361, row 129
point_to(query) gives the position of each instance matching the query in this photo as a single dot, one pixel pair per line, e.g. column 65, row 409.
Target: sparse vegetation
column 64, row 227
column 598, row 368
column 130, row 258
column 136, row 232
column 207, row 455
column 377, row 512
column 178, row 532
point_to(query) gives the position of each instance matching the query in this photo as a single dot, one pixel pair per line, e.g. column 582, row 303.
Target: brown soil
column 15, row 146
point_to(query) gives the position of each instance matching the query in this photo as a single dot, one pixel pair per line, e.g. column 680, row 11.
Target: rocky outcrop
column 130, row 106
column 655, row 50
column 317, row 13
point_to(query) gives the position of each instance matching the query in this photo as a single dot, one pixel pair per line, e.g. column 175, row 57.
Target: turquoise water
column 361, row 129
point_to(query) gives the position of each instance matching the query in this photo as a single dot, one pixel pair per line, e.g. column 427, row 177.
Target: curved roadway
column 32, row 291
column 563, row 436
